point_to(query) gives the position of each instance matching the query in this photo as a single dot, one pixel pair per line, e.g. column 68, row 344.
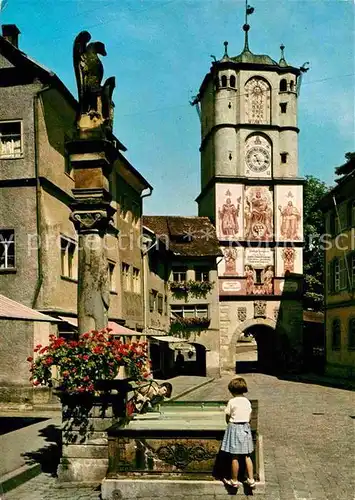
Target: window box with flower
column 185, row 326
column 197, row 289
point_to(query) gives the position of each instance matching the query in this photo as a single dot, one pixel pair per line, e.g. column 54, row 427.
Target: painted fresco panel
column 232, row 262
column 229, row 202
column 259, row 271
column 289, row 259
column 258, row 213
column 289, row 213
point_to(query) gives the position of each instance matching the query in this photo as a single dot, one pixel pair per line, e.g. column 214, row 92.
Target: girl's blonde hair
column 237, row 386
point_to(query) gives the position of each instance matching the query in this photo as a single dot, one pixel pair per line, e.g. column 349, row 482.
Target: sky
column 160, row 50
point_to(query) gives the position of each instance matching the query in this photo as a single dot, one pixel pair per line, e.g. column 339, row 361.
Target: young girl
column 237, row 438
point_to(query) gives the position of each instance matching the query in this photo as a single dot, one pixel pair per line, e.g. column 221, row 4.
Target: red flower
column 49, row 361
column 36, row 382
column 30, row 359
column 86, row 357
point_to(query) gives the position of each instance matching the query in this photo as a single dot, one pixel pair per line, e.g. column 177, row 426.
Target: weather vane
column 248, row 11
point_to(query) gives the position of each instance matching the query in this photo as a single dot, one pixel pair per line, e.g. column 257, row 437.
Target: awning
column 170, row 339
column 115, row 327
column 177, row 342
column 70, row 321
column 121, row 330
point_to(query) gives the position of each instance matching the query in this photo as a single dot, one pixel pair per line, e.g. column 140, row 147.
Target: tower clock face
column 258, row 159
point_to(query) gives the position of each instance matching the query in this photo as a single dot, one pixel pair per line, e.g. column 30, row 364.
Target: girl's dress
column 237, row 438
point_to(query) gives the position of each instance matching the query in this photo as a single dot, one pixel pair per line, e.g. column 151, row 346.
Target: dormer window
column 283, row 157
column 224, row 81
column 283, row 106
column 232, row 81
column 283, row 85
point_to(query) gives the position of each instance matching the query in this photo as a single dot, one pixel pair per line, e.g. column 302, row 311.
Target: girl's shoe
column 230, row 482
column 250, row 482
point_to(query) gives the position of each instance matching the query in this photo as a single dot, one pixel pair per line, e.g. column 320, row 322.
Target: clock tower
column 251, row 191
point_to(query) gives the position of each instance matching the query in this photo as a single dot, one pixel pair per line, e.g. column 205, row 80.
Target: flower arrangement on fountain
column 80, row 364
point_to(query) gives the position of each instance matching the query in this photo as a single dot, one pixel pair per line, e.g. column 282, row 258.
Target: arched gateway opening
column 256, row 349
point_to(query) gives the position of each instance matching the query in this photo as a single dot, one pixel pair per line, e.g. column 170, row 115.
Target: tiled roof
column 14, row 310
column 185, row 236
column 115, row 327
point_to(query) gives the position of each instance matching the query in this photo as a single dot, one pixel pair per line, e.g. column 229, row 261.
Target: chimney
column 11, row 32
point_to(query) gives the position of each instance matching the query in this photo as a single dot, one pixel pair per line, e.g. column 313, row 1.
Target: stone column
column 91, row 215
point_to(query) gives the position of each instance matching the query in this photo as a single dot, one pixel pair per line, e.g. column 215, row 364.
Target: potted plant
column 83, row 372
column 79, row 366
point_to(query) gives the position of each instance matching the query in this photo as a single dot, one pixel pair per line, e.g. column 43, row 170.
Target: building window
column 342, row 274
column 179, row 274
column 67, row 249
column 224, row 81
column 336, row 334
column 126, row 277
column 232, row 81
column 10, row 140
column 7, row 249
column 111, row 276
column 136, row 280
column 124, row 205
column 202, row 274
column 291, row 85
column 330, row 281
column 193, row 311
column 283, row 157
column 153, row 295
column 283, row 85
column 283, row 106
column 351, row 334
column 135, row 212
column 352, row 269
column 336, row 275
column 160, row 303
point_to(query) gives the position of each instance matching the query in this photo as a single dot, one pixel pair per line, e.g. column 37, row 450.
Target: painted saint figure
column 290, row 222
column 228, row 216
column 258, row 216
column 268, row 280
column 249, row 274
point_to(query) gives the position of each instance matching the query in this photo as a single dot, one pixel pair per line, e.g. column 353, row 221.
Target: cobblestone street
column 308, row 434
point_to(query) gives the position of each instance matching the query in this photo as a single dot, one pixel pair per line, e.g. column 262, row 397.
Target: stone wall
column 18, row 339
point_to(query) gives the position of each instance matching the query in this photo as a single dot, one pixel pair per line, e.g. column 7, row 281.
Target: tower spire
column 282, row 61
column 248, row 11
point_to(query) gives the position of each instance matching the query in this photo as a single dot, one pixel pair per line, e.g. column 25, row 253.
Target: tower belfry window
column 283, row 85
column 232, row 81
column 283, row 157
column 224, row 81
column 283, row 106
